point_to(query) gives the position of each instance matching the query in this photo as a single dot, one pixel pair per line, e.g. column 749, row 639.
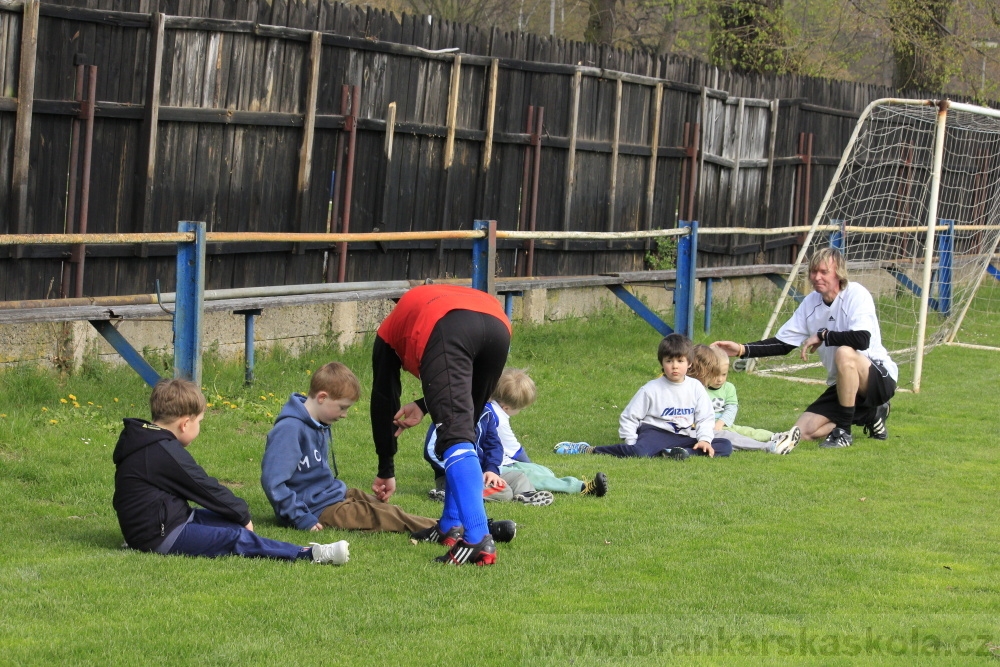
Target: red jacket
column 411, row 322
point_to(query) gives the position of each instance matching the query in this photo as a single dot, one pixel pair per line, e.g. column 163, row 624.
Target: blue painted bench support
column 248, row 328
column 127, row 352
column 188, row 315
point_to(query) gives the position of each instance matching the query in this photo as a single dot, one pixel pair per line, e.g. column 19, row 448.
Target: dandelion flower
column 115, row 400
column 263, row 398
column 53, row 421
column 63, row 400
column 266, row 413
column 90, row 402
column 71, row 397
column 75, row 404
column 45, row 409
column 209, row 405
column 233, row 406
column 308, row 372
column 3, row 416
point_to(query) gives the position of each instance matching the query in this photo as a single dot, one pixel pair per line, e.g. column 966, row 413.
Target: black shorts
column 881, row 388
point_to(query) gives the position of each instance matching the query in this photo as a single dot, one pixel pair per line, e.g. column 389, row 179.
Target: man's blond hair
column 515, row 390
column 337, row 380
column 175, row 398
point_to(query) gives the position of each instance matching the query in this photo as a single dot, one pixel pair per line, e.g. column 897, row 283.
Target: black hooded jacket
column 155, row 478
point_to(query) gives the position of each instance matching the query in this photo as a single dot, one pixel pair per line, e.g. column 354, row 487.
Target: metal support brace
column 248, row 339
column 991, row 270
column 708, row 304
column 508, row 303
column 484, row 257
column 189, row 311
column 779, row 281
column 640, row 309
column 127, row 352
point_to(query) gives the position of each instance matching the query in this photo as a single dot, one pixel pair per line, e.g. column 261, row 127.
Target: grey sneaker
column 782, row 443
column 335, row 553
column 877, row 429
column 536, row 498
column 838, row 438
column 436, row 494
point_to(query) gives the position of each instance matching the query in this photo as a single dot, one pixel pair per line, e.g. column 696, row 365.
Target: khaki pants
column 363, row 511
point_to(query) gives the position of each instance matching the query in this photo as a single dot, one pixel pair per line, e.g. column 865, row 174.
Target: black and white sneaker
column 838, row 438
column 484, row 553
column 877, row 428
column 675, row 453
column 436, row 494
column 595, row 487
column 502, row 531
column 536, row 498
column 434, row 534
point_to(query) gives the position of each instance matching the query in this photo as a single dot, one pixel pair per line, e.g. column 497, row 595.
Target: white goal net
column 910, row 162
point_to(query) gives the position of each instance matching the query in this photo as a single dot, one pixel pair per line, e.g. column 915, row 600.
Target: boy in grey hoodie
column 296, row 467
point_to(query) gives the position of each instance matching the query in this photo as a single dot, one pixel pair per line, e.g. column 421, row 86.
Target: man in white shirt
column 838, row 319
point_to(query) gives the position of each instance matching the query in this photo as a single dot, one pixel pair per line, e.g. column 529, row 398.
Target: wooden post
column 734, row 179
column 654, row 147
column 571, row 157
column 308, row 135
column 22, row 128
column 769, row 179
column 613, row 190
column 703, row 121
column 390, row 135
column 491, row 110
column 456, row 78
column 145, row 172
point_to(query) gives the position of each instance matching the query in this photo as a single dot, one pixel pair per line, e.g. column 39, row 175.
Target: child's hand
column 492, row 480
column 249, row 526
column 705, row 447
column 409, row 415
column 720, row 425
column 315, row 529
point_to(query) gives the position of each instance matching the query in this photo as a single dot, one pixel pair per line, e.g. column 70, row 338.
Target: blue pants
column 651, row 441
column 208, row 534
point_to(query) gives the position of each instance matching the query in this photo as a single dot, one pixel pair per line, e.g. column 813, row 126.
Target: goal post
column 914, row 204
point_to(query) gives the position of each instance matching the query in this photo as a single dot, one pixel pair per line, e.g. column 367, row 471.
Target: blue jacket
column 488, row 445
column 295, row 470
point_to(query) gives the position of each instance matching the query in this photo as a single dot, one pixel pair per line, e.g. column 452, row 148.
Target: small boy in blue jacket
column 295, row 469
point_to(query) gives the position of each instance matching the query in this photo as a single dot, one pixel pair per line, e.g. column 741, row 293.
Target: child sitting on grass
column 502, row 454
column 156, row 477
column 711, row 368
column 295, row 468
column 670, row 416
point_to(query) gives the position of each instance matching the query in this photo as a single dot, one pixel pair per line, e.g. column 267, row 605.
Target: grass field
column 884, row 553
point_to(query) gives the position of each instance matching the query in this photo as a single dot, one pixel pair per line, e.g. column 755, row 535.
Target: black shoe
column 502, row 531
column 536, row 498
column 484, row 553
column 838, row 438
column 877, row 428
column 434, row 534
column 597, row 486
column 675, row 453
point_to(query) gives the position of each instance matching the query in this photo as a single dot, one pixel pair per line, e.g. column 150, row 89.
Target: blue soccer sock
column 449, row 515
column 464, row 478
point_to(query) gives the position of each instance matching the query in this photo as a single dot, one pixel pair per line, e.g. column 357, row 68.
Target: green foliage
column 878, row 537
column 751, row 36
column 664, row 257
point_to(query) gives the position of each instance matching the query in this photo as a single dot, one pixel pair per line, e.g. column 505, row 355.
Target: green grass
column 868, row 554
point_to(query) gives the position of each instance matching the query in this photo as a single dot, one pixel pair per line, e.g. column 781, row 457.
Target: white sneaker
column 782, row 443
column 335, row 553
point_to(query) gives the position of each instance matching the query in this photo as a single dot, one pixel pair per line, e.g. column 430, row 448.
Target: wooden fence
column 242, row 114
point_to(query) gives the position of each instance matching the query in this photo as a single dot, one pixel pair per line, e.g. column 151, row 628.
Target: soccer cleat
column 595, row 487
column 877, row 428
column 536, row 498
column 675, row 453
column 502, row 531
column 838, row 438
column 335, row 553
column 436, row 494
column 434, row 534
column 572, row 448
column 782, row 443
column 484, row 553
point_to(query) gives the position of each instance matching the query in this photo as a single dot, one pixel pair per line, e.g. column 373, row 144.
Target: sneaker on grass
column 675, row 453
column 335, row 553
column 595, row 487
column 837, row 439
column 484, row 553
column 434, row 534
column 536, row 498
column 877, row 428
column 782, row 443
column 502, row 531
column 436, row 494
column 573, row 448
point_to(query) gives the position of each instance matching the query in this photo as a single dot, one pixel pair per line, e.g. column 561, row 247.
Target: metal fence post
column 190, row 302
column 484, row 257
column 692, row 278
column 946, row 247
column 682, row 287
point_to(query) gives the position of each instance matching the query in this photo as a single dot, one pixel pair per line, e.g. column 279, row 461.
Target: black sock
column 844, row 417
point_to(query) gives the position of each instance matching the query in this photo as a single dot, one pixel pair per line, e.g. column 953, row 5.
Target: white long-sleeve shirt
column 511, row 445
column 682, row 407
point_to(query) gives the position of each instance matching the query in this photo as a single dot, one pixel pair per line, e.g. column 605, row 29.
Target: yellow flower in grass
column 71, row 397
column 75, row 404
column 90, row 402
column 3, row 416
column 263, row 398
column 233, row 406
column 115, row 400
column 308, row 372
column 53, row 421
column 45, row 409
column 209, row 405
column 63, row 400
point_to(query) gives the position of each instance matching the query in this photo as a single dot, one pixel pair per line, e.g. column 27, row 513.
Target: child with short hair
column 156, row 477
column 670, row 416
column 295, row 468
column 500, row 451
column 711, row 368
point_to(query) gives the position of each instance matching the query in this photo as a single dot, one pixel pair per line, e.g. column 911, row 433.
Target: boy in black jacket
column 156, row 477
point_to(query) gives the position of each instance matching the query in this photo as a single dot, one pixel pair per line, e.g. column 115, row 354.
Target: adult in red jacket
column 455, row 340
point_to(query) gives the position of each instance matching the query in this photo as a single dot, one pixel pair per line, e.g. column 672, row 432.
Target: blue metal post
column 480, row 252
column 248, row 350
column 682, row 286
column 708, row 305
column 127, row 352
column 837, row 238
column 692, row 278
column 508, row 305
column 946, row 248
column 188, row 321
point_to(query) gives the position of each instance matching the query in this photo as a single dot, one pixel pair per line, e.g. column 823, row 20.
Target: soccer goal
column 915, row 207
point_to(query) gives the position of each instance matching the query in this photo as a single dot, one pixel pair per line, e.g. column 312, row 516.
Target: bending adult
column 838, row 319
column 455, row 340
